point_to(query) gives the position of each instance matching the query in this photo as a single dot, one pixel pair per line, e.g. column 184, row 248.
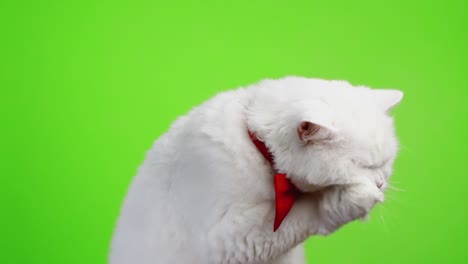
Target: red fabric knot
column 285, row 192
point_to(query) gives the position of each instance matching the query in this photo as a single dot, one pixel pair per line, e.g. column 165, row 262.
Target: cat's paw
column 343, row 204
column 361, row 198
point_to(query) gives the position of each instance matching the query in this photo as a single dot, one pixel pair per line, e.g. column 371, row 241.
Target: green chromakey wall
column 87, row 86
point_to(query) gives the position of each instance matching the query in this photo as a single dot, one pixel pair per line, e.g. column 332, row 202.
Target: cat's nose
column 379, row 184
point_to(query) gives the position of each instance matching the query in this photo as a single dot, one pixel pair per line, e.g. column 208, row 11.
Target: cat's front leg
column 340, row 205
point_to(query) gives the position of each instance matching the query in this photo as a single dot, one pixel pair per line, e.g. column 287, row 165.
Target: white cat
column 205, row 193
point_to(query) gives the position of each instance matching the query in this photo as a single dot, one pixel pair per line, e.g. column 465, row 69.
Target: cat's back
column 173, row 194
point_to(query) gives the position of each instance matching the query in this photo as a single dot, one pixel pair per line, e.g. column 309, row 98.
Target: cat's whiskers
column 389, row 196
column 384, row 211
column 393, row 188
column 384, row 224
column 404, row 148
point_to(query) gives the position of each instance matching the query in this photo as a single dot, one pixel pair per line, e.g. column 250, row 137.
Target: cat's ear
column 311, row 133
column 388, row 98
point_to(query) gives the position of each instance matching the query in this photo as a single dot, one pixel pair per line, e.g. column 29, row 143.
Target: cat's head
column 324, row 133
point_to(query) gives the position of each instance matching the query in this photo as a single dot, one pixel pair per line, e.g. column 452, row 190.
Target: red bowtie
column 285, row 192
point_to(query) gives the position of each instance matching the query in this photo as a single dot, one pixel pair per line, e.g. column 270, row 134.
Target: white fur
column 205, row 194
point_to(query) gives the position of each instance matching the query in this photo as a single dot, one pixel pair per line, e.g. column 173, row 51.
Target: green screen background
column 87, row 86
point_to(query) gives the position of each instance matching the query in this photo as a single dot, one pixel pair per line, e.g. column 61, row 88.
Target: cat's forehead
column 340, row 93
column 352, row 109
column 360, row 120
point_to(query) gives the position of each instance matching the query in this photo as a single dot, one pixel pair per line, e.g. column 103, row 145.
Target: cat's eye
column 369, row 166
